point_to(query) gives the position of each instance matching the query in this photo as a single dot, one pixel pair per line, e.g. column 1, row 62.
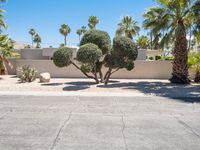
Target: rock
column 45, row 77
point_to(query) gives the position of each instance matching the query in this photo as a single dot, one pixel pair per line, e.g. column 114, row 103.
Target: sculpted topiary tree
column 123, row 55
column 95, row 52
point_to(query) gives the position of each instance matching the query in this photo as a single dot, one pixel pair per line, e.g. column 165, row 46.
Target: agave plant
column 194, row 64
column 27, row 74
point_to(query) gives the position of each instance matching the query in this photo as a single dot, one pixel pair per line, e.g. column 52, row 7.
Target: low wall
column 142, row 70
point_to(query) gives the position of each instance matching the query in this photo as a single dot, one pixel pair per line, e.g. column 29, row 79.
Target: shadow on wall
column 186, row 93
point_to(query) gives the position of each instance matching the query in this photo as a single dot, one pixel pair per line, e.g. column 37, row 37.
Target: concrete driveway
column 99, row 123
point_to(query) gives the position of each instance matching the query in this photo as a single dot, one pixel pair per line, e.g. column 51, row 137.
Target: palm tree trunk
column 190, row 39
column 180, row 66
column 156, row 42
column 32, row 41
column 65, row 40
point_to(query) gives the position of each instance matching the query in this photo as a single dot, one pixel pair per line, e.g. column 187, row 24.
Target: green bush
column 62, row 57
column 151, row 58
column 125, row 47
column 100, row 38
column 89, row 54
column 27, row 74
column 123, row 54
column 194, row 64
column 158, row 57
column 169, row 58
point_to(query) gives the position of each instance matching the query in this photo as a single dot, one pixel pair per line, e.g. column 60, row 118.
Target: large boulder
column 45, row 77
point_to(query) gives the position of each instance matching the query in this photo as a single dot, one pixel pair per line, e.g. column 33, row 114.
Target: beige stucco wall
column 143, row 69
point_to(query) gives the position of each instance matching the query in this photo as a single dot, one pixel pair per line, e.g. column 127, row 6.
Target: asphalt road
column 99, row 123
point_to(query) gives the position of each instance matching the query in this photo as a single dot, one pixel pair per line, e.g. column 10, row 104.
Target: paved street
column 99, row 123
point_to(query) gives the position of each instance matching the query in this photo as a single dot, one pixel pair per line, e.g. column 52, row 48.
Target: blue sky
column 46, row 16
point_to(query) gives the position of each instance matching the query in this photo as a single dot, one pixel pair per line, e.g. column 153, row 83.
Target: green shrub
column 27, row 74
column 158, row 57
column 194, row 64
column 100, row 38
column 125, row 47
column 123, row 54
column 89, row 54
column 151, row 58
column 169, row 58
column 62, row 57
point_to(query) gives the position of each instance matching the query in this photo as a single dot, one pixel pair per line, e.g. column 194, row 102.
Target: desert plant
column 194, row 64
column 27, row 74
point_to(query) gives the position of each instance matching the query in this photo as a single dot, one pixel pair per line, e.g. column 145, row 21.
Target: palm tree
column 180, row 16
column 93, row 21
column 152, row 22
column 2, row 23
column 65, row 30
column 128, row 27
column 143, row 42
column 6, row 47
column 32, row 33
column 84, row 29
column 79, row 32
column 37, row 39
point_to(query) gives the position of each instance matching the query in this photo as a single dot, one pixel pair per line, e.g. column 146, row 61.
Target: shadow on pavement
column 186, row 93
column 51, row 84
column 77, row 86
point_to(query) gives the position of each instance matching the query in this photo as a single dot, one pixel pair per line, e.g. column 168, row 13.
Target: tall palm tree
column 65, row 30
column 2, row 23
column 152, row 22
column 37, row 39
column 32, row 33
column 180, row 17
column 79, row 32
column 128, row 27
column 93, row 21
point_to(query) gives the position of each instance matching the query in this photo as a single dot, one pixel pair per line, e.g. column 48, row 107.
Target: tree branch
column 88, row 76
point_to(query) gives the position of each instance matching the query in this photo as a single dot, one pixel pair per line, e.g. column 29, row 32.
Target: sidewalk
column 85, row 87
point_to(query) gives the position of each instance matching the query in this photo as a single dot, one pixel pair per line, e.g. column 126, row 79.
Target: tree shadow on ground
column 186, row 93
column 81, row 85
column 77, row 86
column 51, row 84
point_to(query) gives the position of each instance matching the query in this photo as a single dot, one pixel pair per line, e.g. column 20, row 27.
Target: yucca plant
column 27, row 74
column 194, row 64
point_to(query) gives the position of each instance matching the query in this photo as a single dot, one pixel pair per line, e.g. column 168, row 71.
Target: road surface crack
column 188, row 127
column 60, row 131
column 123, row 134
column 2, row 116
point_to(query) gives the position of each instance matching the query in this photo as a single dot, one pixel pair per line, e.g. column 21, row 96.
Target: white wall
column 142, row 70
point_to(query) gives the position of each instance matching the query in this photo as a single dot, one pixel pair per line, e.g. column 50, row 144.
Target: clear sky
column 46, row 16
